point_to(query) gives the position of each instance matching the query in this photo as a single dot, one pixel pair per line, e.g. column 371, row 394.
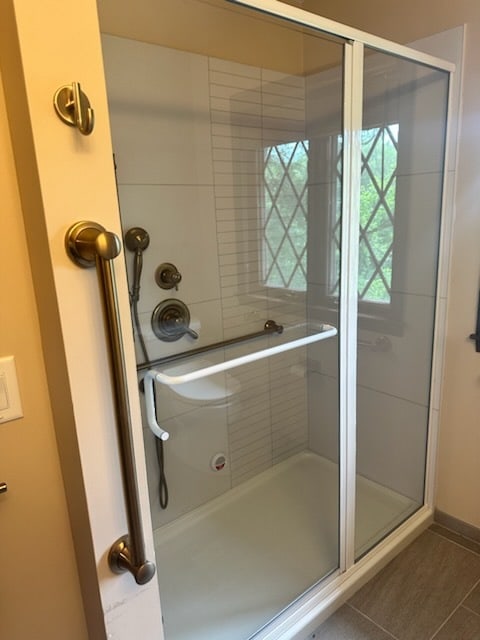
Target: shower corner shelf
column 153, row 375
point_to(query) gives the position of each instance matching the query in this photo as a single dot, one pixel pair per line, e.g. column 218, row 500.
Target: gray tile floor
column 430, row 591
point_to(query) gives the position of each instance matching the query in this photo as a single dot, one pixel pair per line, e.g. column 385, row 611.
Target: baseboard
column 454, row 524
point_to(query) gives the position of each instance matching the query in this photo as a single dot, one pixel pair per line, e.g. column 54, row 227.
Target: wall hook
column 73, row 108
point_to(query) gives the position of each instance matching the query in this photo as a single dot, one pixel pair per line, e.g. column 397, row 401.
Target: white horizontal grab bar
column 327, row 332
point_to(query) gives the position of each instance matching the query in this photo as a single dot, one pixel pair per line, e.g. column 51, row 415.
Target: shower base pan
column 230, row 566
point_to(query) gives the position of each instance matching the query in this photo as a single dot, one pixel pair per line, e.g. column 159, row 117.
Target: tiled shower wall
column 188, row 134
column 251, row 109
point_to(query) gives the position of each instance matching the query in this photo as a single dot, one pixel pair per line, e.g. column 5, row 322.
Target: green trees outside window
column 285, row 216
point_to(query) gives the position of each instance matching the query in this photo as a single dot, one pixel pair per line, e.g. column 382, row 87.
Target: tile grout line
column 372, row 621
column 470, row 610
column 456, row 609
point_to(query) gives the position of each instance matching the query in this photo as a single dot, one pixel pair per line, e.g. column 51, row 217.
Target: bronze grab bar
column 270, row 327
column 88, row 244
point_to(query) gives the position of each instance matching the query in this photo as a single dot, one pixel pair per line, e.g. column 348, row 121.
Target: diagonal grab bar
column 269, row 327
column 88, row 244
column 327, row 331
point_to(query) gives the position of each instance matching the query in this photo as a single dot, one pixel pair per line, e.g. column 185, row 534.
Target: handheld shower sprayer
column 137, row 240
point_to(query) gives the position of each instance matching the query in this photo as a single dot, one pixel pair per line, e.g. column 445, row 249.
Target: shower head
column 137, row 240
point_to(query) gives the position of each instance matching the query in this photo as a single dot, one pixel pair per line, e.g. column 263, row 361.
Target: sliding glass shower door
column 229, row 164
column 402, row 158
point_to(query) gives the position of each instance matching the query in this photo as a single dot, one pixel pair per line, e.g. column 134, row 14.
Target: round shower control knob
column 171, row 321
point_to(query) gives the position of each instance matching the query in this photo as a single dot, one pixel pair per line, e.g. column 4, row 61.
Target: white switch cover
column 10, row 403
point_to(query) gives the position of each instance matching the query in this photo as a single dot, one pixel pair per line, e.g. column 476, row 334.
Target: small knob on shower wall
column 167, row 276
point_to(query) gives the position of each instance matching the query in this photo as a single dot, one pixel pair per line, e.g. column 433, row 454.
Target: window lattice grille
column 285, row 215
column 377, row 211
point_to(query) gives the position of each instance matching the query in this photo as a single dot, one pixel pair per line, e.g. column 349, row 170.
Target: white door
column 65, row 177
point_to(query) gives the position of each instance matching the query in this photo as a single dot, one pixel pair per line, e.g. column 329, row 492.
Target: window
column 285, row 223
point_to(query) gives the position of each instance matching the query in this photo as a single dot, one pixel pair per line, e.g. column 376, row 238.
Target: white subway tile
column 247, row 107
column 226, row 92
column 236, row 142
column 234, row 68
column 233, row 80
column 285, row 112
column 277, row 77
column 235, row 131
column 238, row 167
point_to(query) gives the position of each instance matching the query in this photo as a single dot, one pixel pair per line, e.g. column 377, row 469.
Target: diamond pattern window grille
column 285, row 215
column 285, row 170
column 377, row 212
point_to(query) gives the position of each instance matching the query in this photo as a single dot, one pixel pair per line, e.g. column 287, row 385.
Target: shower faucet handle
column 190, row 332
column 176, row 324
column 167, row 276
column 171, row 321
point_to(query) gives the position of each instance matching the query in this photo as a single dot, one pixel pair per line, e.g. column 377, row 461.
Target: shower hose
column 134, row 298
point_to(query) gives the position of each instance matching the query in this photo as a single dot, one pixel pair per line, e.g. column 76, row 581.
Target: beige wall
column 459, row 454
column 39, row 589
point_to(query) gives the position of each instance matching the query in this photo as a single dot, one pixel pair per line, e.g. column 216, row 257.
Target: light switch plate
column 10, row 403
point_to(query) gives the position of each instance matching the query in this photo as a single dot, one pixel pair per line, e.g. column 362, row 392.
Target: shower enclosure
column 281, row 186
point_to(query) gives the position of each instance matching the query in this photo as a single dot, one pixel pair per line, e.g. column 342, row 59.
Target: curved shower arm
column 88, row 244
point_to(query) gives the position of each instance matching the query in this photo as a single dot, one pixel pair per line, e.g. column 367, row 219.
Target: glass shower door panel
column 228, row 152
column 402, row 147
